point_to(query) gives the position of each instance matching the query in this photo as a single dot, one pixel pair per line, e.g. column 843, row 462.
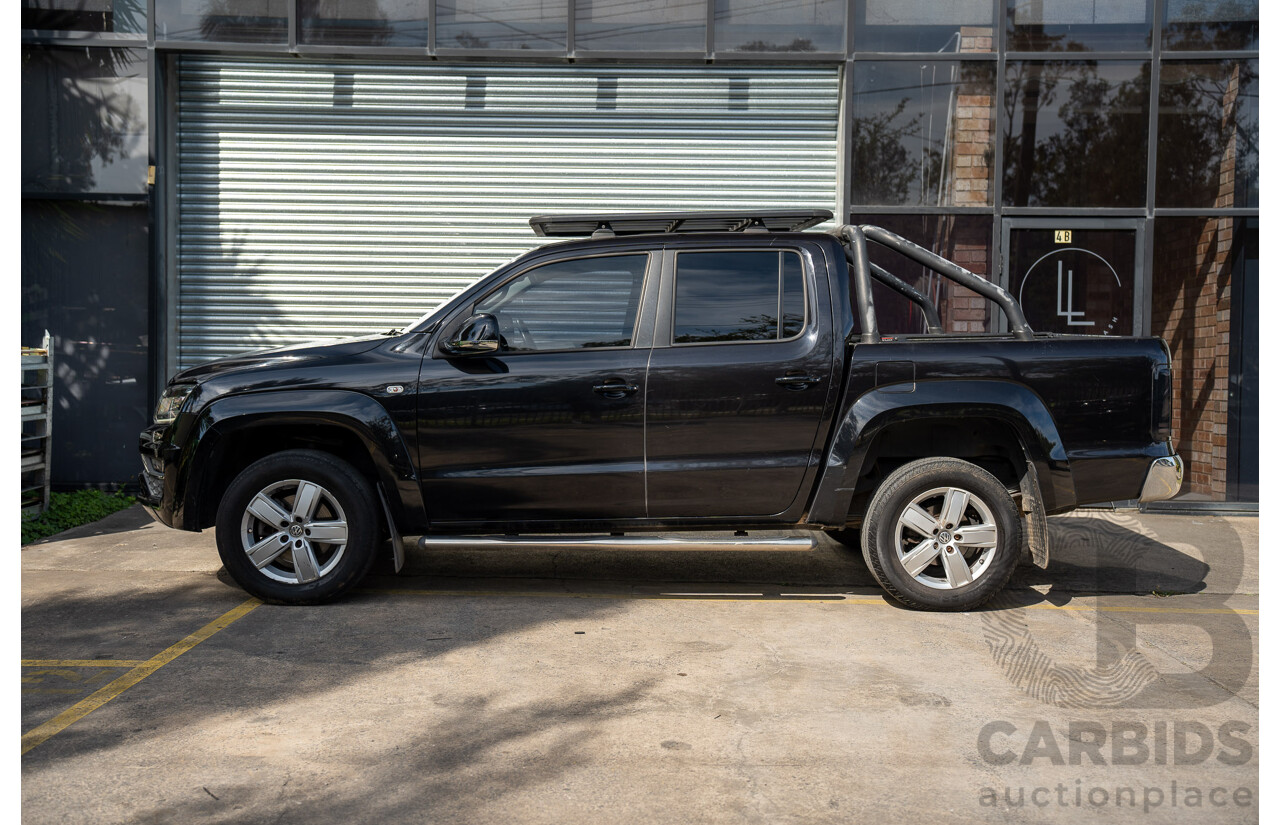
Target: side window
column 587, row 302
column 738, row 296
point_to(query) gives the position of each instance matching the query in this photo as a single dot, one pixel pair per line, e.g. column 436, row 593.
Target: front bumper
column 154, row 494
column 1164, row 479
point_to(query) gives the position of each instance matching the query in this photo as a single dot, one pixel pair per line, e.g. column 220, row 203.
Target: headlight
column 171, row 402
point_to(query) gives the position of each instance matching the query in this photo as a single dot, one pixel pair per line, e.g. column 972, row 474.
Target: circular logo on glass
column 1073, row 290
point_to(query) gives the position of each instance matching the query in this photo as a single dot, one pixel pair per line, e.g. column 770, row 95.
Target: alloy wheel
column 946, row 537
column 294, row 531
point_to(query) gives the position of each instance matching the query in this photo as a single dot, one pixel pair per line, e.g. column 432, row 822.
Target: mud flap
column 397, row 546
column 1035, row 532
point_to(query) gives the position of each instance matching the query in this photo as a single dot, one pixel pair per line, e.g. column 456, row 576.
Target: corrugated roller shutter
column 321, row 199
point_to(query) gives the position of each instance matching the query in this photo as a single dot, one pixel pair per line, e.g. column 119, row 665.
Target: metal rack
column 37, row 426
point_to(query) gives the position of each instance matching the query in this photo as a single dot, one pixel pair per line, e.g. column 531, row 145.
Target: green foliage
column 67, row 510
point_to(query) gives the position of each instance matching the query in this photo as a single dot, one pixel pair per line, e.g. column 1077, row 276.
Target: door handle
column 615, row 388
column 797, row 382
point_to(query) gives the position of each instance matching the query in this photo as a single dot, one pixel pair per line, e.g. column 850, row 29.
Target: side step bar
column 638, row 542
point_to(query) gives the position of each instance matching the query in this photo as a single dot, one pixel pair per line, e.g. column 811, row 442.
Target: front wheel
column 298, row 527
column 942, row 534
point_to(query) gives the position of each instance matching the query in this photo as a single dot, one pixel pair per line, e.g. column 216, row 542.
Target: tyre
column 941, row 534
column 298, row 527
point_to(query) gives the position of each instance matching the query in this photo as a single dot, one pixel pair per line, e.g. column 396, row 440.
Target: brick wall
column 1191, row 310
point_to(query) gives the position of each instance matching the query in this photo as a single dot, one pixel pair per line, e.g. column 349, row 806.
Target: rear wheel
column 298, row 527
column 942, row 534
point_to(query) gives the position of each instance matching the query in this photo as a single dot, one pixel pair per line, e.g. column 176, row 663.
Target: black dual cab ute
column 707, row 373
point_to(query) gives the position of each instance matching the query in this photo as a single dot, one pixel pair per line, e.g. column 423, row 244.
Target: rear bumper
column 1164, row 479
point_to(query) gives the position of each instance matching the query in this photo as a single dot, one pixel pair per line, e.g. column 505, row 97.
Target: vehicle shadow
column 1089, row 554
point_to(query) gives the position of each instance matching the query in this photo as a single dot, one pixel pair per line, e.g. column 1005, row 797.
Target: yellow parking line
column 106, row 693
column 782, row 598
column 83, row 662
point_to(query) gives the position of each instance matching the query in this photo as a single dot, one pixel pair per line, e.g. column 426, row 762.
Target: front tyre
column 298, row 527
column 941, row 534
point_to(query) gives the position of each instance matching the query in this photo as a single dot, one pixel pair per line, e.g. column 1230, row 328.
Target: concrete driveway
column 517, row 686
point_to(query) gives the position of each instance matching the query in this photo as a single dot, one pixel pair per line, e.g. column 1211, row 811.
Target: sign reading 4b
column 1062, row 236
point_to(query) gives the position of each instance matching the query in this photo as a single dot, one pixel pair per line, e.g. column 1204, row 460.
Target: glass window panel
column 364, row 22
column 502, row 24
column 1084, row 287
column 730, row 297
column 119, row 16
column 923, row 133
column 84, row 279
column 241, row 21
column 923, row 26
column 780, row 25
column 964, row 239
column 1211, row 24
column 1207, row 134
column 577, row 304
column 1078, row 25
column 792, row 296
column 1076, row 134
column 84, row 121
column 641, row 25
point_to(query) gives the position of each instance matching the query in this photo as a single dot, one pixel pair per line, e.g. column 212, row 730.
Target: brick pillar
column 1191, row 310
column 969, row 177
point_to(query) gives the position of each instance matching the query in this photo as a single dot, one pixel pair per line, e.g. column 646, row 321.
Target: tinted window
column 923, row 132
column 1211, row 24
column 922, row 26
column 1079, row 25
column 119, row 16
column 1207, row 154
column 1070, row 120
column 499, row 24
column 370, row 23
column 738, row 296
column 590, row 302
column 779, row 25
column 245, row 21
column 640, row 25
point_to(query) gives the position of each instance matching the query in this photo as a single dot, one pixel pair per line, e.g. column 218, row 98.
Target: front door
column 552, row 425
column 1080, row 277
column 738, row 382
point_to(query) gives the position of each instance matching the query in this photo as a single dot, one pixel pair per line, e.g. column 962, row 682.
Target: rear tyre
column 298, row 527
column 941, row 534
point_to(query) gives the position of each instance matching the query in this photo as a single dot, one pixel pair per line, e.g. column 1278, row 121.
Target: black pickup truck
column 706, row 373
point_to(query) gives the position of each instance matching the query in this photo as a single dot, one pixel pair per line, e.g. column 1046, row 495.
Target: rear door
column 738, row 381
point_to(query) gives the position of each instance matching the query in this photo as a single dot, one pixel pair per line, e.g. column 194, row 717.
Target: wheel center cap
column 944, row 537
column 295, row 530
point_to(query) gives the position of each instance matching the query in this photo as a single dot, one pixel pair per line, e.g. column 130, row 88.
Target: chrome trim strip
column 1164, row 479
column 616, row 542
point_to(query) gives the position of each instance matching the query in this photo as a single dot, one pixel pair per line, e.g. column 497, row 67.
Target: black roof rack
column 645, row 223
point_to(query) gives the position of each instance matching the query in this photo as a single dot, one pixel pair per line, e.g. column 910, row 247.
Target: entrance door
column 1081, row 277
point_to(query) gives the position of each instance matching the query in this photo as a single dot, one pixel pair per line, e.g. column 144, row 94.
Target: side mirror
column 479, row 335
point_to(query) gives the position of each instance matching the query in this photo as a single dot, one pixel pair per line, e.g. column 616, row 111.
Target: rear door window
column 731, row 297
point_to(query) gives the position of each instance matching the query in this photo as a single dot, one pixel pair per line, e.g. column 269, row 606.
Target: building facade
column 205, row 177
